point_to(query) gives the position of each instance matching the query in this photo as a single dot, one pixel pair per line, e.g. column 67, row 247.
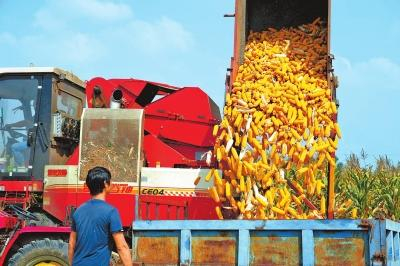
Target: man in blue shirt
column 93, row 224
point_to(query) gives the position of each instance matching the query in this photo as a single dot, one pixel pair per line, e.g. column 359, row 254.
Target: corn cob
column 279, row 119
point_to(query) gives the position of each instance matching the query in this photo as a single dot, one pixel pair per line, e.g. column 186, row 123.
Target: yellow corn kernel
column 219, row 154
column 293, row 212
column 244, row 142
column 237, row 139
column 221, row 190
column 234, row 154
column 278, row 211
column 254, row 129
column 242, row 184
column 338, row 131
column 239, row 169
column 269, row 197
column 214, row 194
column 295, row 134
column 234, row 183
column 284, row 149
column 238, row 120
column 209, row 174
column 323, row 205
column 228, row 190
column 311, row 152
column 318, row 187
column 215, row 130
column 298, row 187
column 302, row 170
column 217, row 178
column 262, row 200
column 248, row 185
column 354, row 213
column 242, row 206
column 219, row 213
column 330, row 159
column 261, row 214
column 296, row 200
column 303, row 155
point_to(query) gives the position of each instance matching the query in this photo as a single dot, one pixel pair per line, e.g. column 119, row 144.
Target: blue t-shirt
column 94, row 223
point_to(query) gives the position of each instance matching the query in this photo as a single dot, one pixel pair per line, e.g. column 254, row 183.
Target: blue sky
column 190, row 43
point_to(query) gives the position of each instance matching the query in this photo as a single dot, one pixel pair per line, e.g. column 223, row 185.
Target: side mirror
column 30, row 137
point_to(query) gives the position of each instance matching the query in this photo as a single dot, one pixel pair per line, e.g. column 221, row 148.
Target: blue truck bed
column 277, row 242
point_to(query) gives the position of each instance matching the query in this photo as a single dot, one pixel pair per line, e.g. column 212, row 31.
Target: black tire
column 44, row 250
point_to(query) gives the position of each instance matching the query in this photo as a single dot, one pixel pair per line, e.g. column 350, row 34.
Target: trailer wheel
column 41, row 252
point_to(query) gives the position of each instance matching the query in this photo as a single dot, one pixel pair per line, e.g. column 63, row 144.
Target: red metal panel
column 74, row 158
column 7, row 221
column 60, row 198
column 57, row 200
column 151, row 211
column 165, row 155
column 197, row 134
column 181, row 213
column 173, row 212
column 201, row 208
column 174, row 207
column 131, row 88
column 19, row 186
column 163, row 213
column 185, row 116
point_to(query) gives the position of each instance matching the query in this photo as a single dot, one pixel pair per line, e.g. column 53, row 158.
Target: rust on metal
column 379, row 257
column 262, row 226
column 274, row 250
column 366, row 224
column 351, row 250
column 239, row 38
column 158, row 250
column 218, row 249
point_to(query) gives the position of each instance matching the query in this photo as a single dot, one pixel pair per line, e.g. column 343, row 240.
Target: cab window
column 69, row 104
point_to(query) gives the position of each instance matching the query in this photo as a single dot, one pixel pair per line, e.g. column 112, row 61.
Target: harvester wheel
column 41, row 252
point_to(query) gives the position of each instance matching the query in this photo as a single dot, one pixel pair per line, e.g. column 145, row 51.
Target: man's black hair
column 96, row 178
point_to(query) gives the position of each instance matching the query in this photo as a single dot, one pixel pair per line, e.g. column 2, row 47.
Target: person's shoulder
column 95, row 204
column 82, row 207
column 106, row 206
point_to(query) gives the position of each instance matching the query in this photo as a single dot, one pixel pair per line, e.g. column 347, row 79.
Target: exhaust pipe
column 116, row 99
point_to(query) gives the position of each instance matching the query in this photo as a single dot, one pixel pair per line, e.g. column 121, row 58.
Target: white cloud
column 56, row 15
column 155, row 36
column 108, row 23
column 104, row 10
column 68, row 48
column 379, row 71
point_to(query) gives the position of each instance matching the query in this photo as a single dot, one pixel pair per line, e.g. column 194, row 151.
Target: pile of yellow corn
column 278, row 132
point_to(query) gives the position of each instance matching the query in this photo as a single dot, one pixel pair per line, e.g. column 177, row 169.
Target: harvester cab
column 40, row 109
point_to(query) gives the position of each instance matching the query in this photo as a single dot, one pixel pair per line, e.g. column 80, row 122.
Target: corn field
column 366, row 191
